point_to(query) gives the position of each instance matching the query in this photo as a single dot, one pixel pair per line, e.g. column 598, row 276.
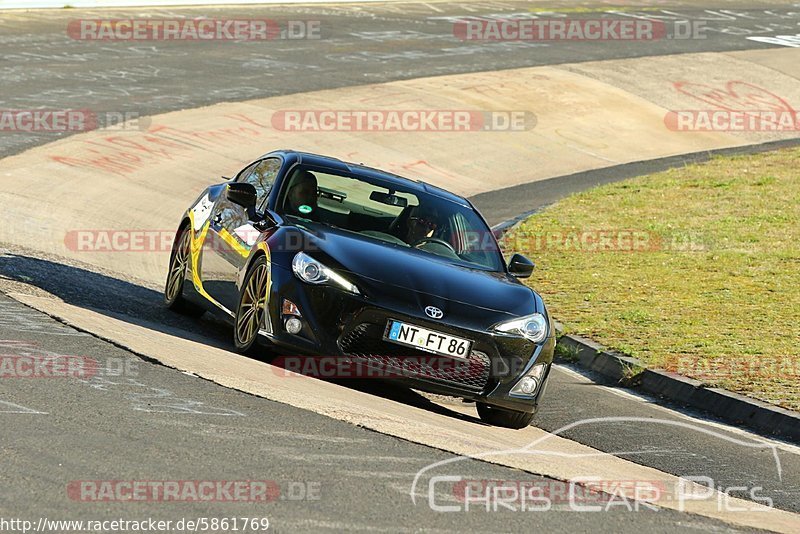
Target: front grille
column 365, row 342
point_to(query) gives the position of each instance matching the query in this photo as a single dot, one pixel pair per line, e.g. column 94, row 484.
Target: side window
column 262, row 176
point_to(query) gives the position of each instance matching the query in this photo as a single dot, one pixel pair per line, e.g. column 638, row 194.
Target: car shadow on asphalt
column 144, row 307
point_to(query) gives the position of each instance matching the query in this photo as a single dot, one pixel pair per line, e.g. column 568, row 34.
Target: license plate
column 427, row 340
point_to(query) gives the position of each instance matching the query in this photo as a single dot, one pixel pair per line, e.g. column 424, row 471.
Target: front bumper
column 350, row 328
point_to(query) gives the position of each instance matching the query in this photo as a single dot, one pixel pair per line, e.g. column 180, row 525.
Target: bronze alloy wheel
column 177, row 268
column 173, row 289
column 252, row 305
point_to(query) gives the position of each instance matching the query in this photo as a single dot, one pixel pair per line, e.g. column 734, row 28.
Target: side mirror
column 520, row 266
column 243, row 194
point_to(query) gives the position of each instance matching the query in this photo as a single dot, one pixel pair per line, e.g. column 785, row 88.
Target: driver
column 422, row 222
column 301, row 198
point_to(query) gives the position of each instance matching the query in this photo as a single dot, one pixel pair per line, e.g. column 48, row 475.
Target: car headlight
column 533, row 327
column 311, row 271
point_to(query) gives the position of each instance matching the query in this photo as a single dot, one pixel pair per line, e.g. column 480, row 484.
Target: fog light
column 529, row 383
column 293, row 325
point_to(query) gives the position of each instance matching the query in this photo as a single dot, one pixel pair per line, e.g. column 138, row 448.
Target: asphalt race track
column 43, row 66
column 162, row 424
column 139, row 420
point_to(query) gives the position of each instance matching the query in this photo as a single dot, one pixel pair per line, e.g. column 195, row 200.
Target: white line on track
column 645, row 399
column 17, row 408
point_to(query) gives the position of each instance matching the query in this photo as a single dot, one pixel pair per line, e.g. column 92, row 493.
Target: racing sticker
column 247, row 233
column 201, row 211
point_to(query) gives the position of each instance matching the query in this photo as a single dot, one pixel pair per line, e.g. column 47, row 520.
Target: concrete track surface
column 184, row 407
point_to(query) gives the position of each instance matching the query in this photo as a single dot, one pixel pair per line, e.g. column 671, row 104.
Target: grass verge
column 694, row 270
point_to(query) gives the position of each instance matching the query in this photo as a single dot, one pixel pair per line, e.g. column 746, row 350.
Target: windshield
column 390, row 214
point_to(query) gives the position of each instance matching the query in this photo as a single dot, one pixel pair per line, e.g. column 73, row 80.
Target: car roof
column 319, row 160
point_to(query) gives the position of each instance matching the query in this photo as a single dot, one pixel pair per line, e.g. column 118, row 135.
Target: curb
column 729, row 406
column 726, row 405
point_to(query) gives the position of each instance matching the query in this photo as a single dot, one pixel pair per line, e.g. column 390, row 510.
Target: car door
column 231, row 234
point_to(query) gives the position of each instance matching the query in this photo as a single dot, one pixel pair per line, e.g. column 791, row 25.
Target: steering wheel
column 434, row 240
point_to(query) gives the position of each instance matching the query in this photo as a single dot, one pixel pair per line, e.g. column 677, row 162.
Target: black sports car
column 322, row 258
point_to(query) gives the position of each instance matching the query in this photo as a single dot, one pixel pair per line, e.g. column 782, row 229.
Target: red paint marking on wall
column 123, row 155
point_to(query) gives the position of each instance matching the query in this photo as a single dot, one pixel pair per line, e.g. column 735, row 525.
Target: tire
column 176, row 276
column 251, row 309
column 503, row 417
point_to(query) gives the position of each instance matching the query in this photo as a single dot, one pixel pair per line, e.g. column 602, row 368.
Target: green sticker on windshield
column 305, row 209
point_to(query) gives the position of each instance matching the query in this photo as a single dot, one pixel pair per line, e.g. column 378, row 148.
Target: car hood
column 392, row 271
